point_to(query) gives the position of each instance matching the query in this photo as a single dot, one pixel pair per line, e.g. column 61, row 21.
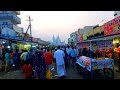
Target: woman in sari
column 40, row 66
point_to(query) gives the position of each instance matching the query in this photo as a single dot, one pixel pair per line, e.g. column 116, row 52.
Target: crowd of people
column 36, row 62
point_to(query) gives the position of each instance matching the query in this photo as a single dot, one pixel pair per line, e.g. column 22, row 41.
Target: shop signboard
column 112, row 27
column 97, row 30
column 90, row 33
column 84, row 36
column 100, row 64
column 102, row 44
column 80, row 38
column 83, row 45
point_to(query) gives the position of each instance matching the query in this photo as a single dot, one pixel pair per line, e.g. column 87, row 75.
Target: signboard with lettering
column 112, row 27
column 100, row 64
column 102, row 44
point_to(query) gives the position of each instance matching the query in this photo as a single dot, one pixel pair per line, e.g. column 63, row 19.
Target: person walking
column 48, row 59
column 16, row 59
column 66, row 60
column 23, row 56
column 27, row 70
column 40, row 66
column 68, row 49
column 7, row 60
column 59, row 57
column 73, row 56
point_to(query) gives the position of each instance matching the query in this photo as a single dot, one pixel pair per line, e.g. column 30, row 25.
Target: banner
column 100, row 64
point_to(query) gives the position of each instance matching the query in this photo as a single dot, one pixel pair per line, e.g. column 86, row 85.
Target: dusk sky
column 47, row 23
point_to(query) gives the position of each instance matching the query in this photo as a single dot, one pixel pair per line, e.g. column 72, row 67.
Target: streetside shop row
column 104, row 41
column 9, row 40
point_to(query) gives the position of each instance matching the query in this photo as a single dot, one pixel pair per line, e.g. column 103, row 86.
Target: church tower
column 58, row 40
column 54, row 41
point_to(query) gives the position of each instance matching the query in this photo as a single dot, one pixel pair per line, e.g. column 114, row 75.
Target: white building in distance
column 57, row 41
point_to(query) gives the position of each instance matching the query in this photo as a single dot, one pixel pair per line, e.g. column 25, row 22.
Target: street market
column 91, row 52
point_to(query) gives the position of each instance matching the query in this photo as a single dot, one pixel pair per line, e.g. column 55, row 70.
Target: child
column 27, row 70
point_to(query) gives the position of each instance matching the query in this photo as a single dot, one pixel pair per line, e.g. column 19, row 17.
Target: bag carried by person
column 48, row 74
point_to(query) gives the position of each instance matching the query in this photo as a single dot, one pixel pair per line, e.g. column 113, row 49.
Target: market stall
column 102, row 62
column 90, row 65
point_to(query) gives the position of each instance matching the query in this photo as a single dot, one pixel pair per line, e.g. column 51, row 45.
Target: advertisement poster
column 84, row 62
column 100, row 64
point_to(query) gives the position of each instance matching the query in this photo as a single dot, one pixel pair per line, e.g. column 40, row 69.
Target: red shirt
column 27, row 70
column 118, row 49
column 48, row 58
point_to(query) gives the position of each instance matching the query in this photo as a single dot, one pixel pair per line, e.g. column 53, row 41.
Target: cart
column 89, row 67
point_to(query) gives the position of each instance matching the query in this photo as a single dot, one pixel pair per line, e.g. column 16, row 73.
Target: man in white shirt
column 23, row 56
column 59, row 57
column 68, row 50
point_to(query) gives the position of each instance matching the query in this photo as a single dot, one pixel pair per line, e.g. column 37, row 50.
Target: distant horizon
column 45, row 24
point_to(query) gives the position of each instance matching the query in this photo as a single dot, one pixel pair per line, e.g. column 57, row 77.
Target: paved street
column 71, row 74
column 11, row 75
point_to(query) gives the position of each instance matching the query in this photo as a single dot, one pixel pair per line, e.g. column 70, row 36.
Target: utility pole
column 29, row 26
